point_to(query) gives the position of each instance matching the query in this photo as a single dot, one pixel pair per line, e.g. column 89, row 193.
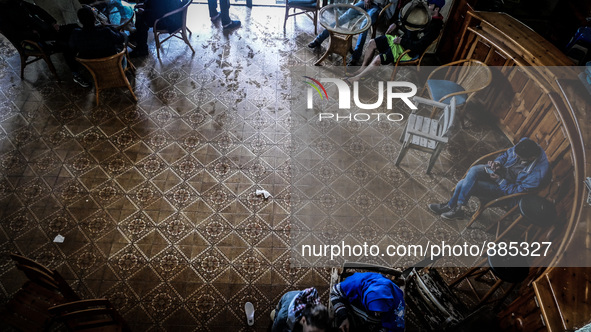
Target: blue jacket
column 529, row 178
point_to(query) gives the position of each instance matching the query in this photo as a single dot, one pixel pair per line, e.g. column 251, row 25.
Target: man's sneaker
column 232, row 25
column 80, row 80
column 216, row 17
column 439, row 208
column 453, row 214
column 314, row 44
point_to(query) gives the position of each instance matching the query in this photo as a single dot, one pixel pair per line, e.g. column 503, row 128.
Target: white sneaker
column 249, row 310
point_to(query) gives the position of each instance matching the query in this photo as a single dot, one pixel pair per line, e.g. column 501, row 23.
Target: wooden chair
column 90, row 315
column 308, row 7
column 462, row 79
column 28, row 310
column 173, row 31
column 31, row 49
column 427, row 133
column 109, row 72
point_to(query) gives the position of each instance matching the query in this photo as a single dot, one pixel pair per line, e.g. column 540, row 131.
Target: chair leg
column 434, row 157
column 316, row 22
column 51, row 66
column 402, row 153
column 157, row 44
column 97, row 95
column 186, row 39
column 286, row 16
column 517, row 220
column 23, row 65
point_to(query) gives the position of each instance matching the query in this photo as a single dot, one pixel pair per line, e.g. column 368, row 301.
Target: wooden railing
column 531, row 101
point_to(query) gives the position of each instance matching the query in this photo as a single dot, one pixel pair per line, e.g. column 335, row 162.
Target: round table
column 342, row 31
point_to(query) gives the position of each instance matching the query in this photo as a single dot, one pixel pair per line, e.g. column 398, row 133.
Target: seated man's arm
column 531, row 182
column 339, row 303
column 419, row 45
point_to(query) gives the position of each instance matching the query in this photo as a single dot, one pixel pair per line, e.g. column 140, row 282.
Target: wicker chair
column 90, row 315
column 462, row 78
column 308, row 7
column 109, row 72
column 28, row 310
column 182, row 29
column 31, row 49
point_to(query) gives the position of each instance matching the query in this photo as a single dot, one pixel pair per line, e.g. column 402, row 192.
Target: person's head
column 435, row 6
column 86, row 17
column 527, row 150
column 415, row 15
column 314, row 318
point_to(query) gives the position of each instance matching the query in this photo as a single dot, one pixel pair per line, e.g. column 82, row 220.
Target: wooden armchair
column 31, row 49
column 27, row 310
column 109, row 72
column 90, row 316
column 173, row 31
column 426, row 133
column 462, row 79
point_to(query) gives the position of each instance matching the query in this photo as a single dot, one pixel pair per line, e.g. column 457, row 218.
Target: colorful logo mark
column 315, row 87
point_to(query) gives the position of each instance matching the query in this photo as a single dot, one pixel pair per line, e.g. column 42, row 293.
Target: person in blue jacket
column 522, row 168
column 368, row 302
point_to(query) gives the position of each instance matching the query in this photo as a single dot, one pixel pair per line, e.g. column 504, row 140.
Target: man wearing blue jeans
column 373, row 8
column 521, row 168
column 227, row 23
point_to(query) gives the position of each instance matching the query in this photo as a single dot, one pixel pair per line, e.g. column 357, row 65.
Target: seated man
column 373, row 8
column 521, row 168
column 368, row 302
column 95, row 41
column 147, row 13
column 390, row 47
column 300, row 311
column 21, row 20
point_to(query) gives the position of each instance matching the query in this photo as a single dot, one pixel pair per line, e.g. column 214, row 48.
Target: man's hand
column 56, row 26
column 494, row 165
column 397, row 40
column 344, row 326
column 391, row 29
column 367, row 4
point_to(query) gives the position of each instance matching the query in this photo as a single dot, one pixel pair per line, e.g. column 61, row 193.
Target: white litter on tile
column 59, row 239
column 265, row 193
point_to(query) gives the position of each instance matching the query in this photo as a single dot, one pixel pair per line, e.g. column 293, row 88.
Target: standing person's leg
column 213, row 9
column 142, row 25
column 227, row 22
column 373, row 12
column 63, row 44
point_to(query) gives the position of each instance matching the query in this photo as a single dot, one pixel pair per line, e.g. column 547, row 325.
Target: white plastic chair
column 426, row 133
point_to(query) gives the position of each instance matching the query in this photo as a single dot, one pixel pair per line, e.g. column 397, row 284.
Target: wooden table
column 342, row 32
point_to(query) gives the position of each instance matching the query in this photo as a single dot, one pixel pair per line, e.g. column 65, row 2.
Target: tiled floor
column 156, row 199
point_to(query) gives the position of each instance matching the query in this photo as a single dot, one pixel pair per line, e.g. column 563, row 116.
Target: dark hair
column 86, row 17
column 527, row 149
column 316, row 316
